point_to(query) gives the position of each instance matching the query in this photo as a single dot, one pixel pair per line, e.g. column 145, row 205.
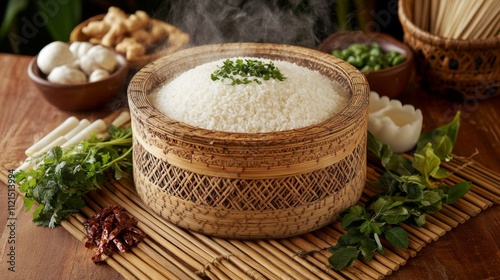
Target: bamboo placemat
column 170, row 252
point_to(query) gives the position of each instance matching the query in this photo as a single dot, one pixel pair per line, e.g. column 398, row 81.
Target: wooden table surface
column 470, row 251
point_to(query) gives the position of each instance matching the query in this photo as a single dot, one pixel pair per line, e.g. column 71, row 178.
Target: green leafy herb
column 244, row 72
column 63, row 175
column 410, row 190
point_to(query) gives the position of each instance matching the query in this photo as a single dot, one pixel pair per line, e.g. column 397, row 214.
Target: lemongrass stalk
column 95, row 127
column 62, row 129
column 122, row 119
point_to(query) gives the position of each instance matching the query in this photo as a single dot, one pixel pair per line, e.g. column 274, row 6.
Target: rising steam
column 297, row 22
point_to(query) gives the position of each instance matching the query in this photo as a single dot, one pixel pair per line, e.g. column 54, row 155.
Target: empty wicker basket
column 249, row 185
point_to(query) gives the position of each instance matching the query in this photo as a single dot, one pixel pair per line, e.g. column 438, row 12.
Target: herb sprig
column 63, row 175
column 410, row 190
column 241, row 72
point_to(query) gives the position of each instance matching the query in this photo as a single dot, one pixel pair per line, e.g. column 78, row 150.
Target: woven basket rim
column 357, row 103
column 439, row 41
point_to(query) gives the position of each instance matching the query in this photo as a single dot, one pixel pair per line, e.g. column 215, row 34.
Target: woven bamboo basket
column 248, row 185
column 468, row 69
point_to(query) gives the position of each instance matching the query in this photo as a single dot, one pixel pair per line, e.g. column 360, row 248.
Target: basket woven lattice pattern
column 249, row 194
column 466, row 68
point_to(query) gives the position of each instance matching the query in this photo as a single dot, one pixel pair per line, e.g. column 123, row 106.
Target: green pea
column 358, row 51
column 373, row 60
column 346, row 53
column 359, row 46
column 355, row 61
column 366, row 68
column 376, row 51
column 337, row 53
column 365, row 57
column 369, row 57
column 391, row 54
column 397, row 60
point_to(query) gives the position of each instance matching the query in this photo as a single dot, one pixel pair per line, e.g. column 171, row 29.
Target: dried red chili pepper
column 112, row 229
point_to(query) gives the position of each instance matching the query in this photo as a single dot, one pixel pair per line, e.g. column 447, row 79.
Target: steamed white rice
column 305, row 98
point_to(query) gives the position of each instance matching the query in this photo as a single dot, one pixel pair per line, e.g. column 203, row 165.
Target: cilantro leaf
column 63, row 175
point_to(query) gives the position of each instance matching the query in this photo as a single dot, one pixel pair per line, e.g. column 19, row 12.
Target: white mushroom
column 52, row 55
column 98, row 75
column 104, row 57
column 87, row 64
column 66, row 75
column 98, row 57
column 79, row 49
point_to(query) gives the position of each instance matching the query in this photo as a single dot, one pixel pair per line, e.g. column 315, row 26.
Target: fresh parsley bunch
column 410, row 189
column 63, row 175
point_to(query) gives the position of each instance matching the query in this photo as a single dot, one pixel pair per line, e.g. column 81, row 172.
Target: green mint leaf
column 352, row 237
column 398, row 237
column 395, row 215
column 380, row 205
column 374, row 145
column 414, row 192
column 350, row 218
column 383, row 204
column 366, row 227
column 392, row 162
column 343, row 257
column 376, row 227
column 457, row 191
column 430, row 197
column 442, row 138
column 420, row 219
column 367, row 248
column 409, row 192
column 426, row 162
column 432, row 201
column 440, row 173
column 395, row 219
column 356, row 210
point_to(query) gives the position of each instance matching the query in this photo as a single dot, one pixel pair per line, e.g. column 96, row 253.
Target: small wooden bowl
column 391, row 81
column 84, row 96
column 249, row 185
column 176, row 40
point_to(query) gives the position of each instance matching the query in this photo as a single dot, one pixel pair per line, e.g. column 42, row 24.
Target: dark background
column 366, row 15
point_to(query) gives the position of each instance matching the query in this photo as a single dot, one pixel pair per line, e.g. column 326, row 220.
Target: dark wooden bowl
column 84, row 96
column 390, row 81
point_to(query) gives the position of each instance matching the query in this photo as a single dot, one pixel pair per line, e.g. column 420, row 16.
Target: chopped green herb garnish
column 247, row 71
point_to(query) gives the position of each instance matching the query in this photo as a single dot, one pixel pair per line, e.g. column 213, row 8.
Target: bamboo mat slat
column 170, row 252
